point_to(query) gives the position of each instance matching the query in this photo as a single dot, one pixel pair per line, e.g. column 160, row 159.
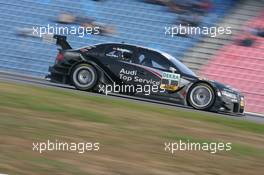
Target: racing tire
column 201, row 96
column 84, row 77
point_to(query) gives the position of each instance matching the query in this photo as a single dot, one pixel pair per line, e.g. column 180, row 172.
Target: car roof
column 126, row 44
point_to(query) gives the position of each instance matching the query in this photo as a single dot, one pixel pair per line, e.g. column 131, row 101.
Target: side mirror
column 172, row 69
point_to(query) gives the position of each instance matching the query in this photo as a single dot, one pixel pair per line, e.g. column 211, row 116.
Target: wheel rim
column 84, row 77
column 201, row 96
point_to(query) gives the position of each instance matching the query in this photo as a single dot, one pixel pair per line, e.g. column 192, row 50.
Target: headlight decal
column 229, row 94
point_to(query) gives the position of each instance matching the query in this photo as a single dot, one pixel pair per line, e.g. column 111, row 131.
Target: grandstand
column 136, row 22
column 208, row 46
column 242, row 67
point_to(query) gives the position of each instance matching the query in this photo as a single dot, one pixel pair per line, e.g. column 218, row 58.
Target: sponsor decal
column 132, row 76
column 170, row 81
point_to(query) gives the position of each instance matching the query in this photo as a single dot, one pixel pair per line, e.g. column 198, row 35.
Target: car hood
column 220, row 86
column 224, row 87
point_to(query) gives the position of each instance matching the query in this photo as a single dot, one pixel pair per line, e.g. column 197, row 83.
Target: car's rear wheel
column 84, row 77
column 201, row 96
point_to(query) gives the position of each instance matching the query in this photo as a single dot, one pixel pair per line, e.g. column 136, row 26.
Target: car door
column 121, row 60
column 161, row 70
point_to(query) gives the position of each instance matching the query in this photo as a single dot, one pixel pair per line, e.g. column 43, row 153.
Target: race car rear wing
column 62, row 41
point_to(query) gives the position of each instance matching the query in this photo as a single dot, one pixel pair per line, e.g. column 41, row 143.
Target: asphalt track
column 24, row 79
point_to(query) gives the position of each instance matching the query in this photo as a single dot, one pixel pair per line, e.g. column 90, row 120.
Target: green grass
column 131, row 135
column 56, row 105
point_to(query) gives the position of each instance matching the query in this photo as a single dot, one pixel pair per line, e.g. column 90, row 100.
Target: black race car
column 140, row 71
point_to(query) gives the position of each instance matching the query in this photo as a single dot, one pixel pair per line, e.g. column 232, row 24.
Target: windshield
column 184, row 69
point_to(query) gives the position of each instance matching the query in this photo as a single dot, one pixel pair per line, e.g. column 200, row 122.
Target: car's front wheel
column 84, row 77
column 201, row 96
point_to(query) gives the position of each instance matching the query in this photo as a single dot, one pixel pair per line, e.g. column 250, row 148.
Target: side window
column 158, row 65
column 113, row 53
column 144, row 59
column 153, row 59
column 119, row 53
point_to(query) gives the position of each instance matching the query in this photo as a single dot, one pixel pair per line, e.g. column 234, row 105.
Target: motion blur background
column 237, row 59
column 131, row 133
